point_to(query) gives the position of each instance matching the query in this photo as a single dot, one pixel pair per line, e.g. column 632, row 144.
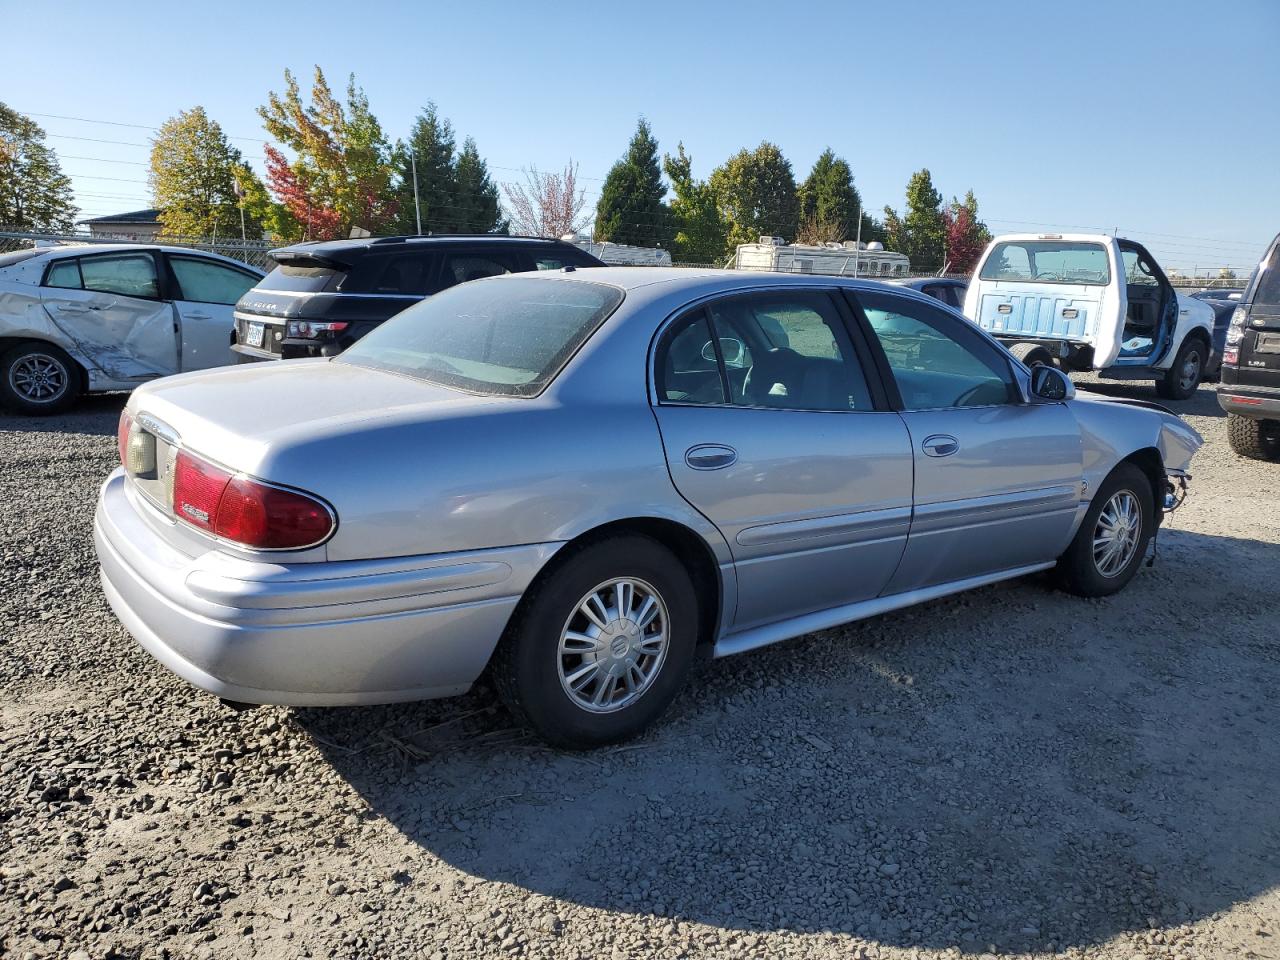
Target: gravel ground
column 1011, row 772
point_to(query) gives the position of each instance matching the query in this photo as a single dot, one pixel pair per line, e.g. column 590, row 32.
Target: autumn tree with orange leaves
column 339, row 177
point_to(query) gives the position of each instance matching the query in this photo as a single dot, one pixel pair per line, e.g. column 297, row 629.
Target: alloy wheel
column 1189, row 375
column 613, row 645
column 39, row 378
column 1117, row 533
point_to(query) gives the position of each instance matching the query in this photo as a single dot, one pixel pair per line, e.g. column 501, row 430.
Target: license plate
column 253, row 335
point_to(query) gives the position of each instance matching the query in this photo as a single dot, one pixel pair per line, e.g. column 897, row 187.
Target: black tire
column 528, row 665
column 1078, row 570
column 1183, row 379
column 38, row 379
column 1031, row 354
column 1255, row 439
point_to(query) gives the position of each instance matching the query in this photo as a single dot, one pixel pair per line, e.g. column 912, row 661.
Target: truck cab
column 1091, row 302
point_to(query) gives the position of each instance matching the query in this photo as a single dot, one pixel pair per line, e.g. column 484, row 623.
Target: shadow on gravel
column 1203, row 403
column 95, row 415
column 1006, row 770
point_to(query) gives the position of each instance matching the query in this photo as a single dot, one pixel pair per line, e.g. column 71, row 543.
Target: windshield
column 507, row 337
column 1049, row 261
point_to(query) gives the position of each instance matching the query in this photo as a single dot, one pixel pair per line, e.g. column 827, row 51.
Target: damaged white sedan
column 97, row 318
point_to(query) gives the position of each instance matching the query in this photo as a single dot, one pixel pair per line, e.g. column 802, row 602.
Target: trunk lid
column 1041, row 311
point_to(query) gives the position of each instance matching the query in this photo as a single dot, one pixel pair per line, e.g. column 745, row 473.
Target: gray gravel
column 1011, row 772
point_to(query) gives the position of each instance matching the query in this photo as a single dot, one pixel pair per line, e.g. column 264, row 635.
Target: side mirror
column 1050, row 384
column 732, row 349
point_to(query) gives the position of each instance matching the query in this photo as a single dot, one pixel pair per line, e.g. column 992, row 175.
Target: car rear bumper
column 313, row 634
column 1256, row 403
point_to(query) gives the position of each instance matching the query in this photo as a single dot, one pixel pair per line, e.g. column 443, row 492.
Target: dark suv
column 1250, row 387
column 323, row 297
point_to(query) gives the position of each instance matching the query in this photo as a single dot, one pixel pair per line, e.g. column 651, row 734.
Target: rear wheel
column 1031, row 354
column 1112, row 540
column 1182, row 379
column 38, row 379
column 602, row 645
column 1256, row 439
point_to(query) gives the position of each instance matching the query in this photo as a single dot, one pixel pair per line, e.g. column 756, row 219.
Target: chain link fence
column 252, row 252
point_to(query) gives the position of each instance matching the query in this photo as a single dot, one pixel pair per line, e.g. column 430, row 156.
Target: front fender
column 1112, row 430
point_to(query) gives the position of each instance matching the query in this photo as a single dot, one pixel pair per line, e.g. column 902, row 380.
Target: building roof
column 133, row 216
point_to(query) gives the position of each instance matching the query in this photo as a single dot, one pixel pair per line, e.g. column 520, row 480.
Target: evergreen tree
column 829, row 202
column 631, row 207
column 431, row 143
column 756, row 193
column 476, row 205
column 700, row 232
column 924, row 224
column 195, row 175
column 34, row 192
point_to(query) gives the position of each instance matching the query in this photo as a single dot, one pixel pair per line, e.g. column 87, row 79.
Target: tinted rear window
column 506, row 337
column 301, row 279
column 392, row 274
column 1268, row 288
column 1048, row 261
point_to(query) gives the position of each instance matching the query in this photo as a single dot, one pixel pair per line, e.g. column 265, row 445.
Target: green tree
column 430, row 148
column 631, row 207
column 476, row 202
column 921, row 233
column 830, row 204
column 195, row 173
column 756, row 193
column 700, row 231
column 340, row 175
column 34, row 192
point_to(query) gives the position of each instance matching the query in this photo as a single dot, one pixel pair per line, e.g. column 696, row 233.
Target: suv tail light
column 247, row 511
column 311, row 330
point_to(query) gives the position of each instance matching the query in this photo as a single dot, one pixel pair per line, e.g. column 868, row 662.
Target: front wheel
column 1182, row 379
column 601, row 646
column 38, row 379
column 1113, row 537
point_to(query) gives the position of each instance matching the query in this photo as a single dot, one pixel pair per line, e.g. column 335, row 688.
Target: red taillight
column 246, row 511
column 122, row 436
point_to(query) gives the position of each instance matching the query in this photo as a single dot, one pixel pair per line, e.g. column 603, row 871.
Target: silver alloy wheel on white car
column 613, row 645
column 39, row 378
column 1117, row 533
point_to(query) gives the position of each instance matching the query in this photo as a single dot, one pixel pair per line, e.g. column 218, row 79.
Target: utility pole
column 417, row 210
column 857, row 243
column 244, row 238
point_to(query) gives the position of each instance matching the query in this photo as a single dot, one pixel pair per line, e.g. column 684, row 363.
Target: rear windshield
column 1268, row 282
column 507, row 337
column 1048, row 261
column 301, row 279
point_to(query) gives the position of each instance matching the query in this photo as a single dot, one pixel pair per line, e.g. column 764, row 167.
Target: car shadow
column 1004, row 770
column 96, row 415
column 1203, row 403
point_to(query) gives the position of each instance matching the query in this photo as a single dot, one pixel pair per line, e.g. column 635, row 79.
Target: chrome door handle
column 710, row 456
column 940, row 445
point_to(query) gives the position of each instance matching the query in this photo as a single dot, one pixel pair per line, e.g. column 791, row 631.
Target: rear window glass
column 505, row 337
column 1048, row 261
column 398, row 274
column 1268, row 289
column 301, row 279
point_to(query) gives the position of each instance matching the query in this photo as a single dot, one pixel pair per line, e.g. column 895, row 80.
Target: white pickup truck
column 1091, row 302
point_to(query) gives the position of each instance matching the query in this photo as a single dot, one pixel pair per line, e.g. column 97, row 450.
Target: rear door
column 204, row 295
column 774, row 431
column 997, row 480
column 110, row 306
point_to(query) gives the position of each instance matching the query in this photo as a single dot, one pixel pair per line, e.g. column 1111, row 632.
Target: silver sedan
column 581, row 481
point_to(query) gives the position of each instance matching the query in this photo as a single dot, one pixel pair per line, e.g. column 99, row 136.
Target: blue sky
column 1160, row 119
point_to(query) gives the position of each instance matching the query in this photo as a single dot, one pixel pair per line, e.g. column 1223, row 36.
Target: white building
column 848, row 259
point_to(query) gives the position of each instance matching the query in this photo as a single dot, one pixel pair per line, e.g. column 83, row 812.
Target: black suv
column 323, row 297
column 1250, row 387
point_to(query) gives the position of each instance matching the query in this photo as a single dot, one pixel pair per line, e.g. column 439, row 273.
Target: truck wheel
column 1183, row 378
column 1113, row 537
column 1031, row 354
column 601, row 645
column 1255, row 439
column 38, row 379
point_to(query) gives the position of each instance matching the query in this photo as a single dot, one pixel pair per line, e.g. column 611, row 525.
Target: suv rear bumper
column 1256, row 403
column 307, row 634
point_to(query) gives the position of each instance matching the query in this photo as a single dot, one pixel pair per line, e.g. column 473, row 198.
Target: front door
column 205, row 294
column 773, row 431
column 997, row 480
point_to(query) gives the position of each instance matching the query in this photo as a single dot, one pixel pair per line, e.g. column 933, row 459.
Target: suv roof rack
column 378, row 241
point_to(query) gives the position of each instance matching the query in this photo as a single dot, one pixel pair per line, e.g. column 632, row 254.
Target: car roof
column 916, row 283
column 332, row 247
